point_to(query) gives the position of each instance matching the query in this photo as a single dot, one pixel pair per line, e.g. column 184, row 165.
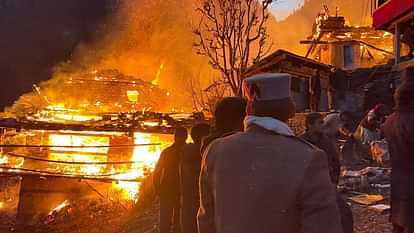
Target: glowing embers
column 59, row 113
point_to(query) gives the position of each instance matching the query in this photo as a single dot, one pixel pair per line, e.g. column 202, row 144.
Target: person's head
column 199, row 131
column 382, row 110
column 314, row 122
column 229, row 114
column 269, row 96
column 180, row 135
column 404, row 95
column 345, row 117
column 334, row 122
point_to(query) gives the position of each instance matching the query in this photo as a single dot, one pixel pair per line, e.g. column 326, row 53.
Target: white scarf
column 269, row 123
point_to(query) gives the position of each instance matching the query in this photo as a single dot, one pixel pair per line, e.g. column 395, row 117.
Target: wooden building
column 301, row 69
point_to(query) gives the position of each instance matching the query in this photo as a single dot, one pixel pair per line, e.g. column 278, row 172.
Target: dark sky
column 35, row 35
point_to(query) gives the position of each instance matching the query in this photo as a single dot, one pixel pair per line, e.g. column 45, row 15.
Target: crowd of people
column 251, row 173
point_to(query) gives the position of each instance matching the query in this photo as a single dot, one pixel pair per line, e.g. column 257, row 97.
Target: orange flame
column 156, row 81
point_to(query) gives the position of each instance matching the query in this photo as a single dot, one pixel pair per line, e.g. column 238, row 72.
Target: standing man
column 228, row 118
column 265, row 179
column 167, row 183
column 189, row 174
column 336, row 125
column 315, row 134
column 315, row 91
column 399, row 133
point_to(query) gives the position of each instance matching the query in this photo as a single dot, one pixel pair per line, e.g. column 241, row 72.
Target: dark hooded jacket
column 399, row 133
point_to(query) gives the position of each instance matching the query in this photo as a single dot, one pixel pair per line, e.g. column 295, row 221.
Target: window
column 381, row 2
column 348, row 56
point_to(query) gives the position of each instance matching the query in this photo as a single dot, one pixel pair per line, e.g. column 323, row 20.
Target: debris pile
column 371, row 179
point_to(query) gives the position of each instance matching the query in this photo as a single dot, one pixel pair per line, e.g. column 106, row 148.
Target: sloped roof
column 281, row 55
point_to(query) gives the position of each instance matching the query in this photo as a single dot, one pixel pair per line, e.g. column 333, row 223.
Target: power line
column 71, row 162
column 62, row 146
column 31, row 172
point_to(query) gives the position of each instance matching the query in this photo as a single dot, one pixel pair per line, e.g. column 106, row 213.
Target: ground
column 106, row 216
column 370, row 221
column 112, row 218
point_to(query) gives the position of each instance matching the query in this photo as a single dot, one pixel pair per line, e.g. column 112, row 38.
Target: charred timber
column 126, row 122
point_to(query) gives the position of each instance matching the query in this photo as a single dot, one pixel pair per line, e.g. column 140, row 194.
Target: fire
column 59, row 207
column 1, row 205
column 76, row 117
column 4, row 159
column 156, row 81
column 133, row 95
column 146, row 158
column 59, row 113
column 79, row 150
column 76, row 153
column 73, row 140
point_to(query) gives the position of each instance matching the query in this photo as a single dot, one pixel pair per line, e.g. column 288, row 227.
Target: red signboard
column 392, row 11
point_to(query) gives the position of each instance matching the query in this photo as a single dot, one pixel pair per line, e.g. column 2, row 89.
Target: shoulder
column 332, row 117
column 390, row 122
column 301, row 141
column 303, row 150
column 303, row 136
column 168, row 149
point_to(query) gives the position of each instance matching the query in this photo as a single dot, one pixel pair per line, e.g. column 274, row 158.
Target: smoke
column 139, row 38
column 144, row 35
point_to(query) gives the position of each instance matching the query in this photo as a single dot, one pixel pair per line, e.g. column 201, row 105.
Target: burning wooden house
column 81, row 96
column 94, row 134
column 348, row 47
column 354, row 65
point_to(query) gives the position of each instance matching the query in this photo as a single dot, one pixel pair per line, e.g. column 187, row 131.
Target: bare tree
column 205, row 99
column 228, row 32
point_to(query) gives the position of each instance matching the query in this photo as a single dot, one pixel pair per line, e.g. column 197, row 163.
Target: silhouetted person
column 167, row 183
column 228, row 116
column 399, row 133
column 189, row 175
column 315, row 134
column 315, row 91
column 265, row 179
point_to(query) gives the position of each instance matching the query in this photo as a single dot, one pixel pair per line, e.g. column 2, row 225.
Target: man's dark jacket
column 399, row 133
column 166, row 174
column 190, row 198
column 329, row 147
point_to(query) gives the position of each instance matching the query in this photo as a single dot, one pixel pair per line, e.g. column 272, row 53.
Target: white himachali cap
column 267, row 86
